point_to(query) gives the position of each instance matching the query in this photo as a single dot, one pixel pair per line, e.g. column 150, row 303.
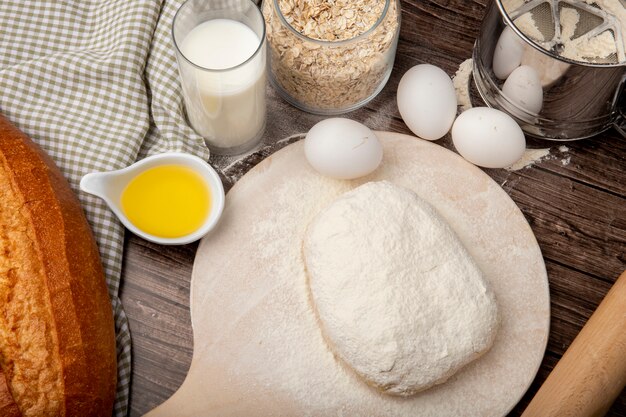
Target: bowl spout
column 95, row 183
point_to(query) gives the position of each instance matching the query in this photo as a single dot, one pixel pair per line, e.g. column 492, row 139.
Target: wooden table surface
column 577, row 211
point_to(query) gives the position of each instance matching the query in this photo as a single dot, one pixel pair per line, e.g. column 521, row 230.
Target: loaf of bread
column 57, row 337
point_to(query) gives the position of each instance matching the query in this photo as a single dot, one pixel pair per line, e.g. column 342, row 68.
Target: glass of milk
column 220, row 49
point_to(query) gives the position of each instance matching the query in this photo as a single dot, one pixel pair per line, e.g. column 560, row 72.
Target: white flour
column 534, row 156
column 569, row 19
column 276, row 243
column 527, row 25
column 615, row 7
column 530, row 157
column 255, row 330
column 398, row 297
column 461, row 82
column 583, row 48
column 564, row 150
column 601, row 46
column 513, row 4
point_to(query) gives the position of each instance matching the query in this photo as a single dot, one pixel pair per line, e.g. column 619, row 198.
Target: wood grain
column 576, row 210
column 592, row 371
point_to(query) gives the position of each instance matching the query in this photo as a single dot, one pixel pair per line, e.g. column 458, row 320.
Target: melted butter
column 167, row 201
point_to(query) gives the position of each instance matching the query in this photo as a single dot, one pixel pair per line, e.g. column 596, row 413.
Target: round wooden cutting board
column 257, row 348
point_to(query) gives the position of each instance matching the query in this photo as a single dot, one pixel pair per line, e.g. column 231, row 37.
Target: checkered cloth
column 94, row 82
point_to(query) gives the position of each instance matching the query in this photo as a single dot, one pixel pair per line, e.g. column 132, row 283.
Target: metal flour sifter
column 557, row 66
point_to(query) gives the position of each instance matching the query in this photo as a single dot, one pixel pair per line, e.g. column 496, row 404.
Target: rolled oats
column 335, row 54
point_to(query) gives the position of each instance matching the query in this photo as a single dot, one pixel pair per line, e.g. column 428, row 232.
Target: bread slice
column 57, row 338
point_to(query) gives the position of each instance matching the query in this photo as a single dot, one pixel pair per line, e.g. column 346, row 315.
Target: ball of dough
column 398, row 297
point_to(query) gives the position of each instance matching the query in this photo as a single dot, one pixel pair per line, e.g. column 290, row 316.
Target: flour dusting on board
column 325, row 189
column 255, row 329
column 277, row 246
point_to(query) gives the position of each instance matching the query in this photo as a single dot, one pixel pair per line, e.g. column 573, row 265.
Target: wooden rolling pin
column 592, row 372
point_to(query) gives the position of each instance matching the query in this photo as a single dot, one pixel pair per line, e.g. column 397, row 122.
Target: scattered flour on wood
column 534, row 156
column 530, row 157
column 461, row 82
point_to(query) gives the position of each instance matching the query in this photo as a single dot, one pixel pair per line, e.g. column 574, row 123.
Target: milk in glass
column 224, row 87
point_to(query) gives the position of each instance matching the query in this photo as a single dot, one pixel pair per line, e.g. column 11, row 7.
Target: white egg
column 523, row 88
column 488, row 137
column 427, row 101
column 342, row 148
column 508, row 53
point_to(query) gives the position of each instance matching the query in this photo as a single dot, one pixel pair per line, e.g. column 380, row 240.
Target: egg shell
column 508, row 53
column 427, row 101
column 523, row 88
column 342, row 148
column 488, row 137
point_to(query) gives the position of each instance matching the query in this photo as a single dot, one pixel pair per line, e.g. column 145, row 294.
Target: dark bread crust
column 71, row 279
column 8, row 407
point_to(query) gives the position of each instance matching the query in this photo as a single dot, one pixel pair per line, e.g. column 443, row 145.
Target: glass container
column 224, row 93
column 327, row 66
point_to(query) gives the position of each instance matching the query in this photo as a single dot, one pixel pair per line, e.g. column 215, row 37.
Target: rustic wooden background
column 576, row 210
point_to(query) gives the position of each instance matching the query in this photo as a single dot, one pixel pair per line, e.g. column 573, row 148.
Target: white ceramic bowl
column 110, row 185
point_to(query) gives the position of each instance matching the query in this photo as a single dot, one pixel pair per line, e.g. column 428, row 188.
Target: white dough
column 398, row 297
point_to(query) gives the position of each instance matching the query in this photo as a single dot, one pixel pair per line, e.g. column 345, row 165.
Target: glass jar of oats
column 331, row 57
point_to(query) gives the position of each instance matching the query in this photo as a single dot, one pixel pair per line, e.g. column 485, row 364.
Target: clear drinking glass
column 224, row 104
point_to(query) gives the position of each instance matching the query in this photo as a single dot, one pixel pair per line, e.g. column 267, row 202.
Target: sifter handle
column 592, row 372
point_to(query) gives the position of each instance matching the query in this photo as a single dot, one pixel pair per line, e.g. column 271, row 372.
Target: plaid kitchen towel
column 94, row 82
